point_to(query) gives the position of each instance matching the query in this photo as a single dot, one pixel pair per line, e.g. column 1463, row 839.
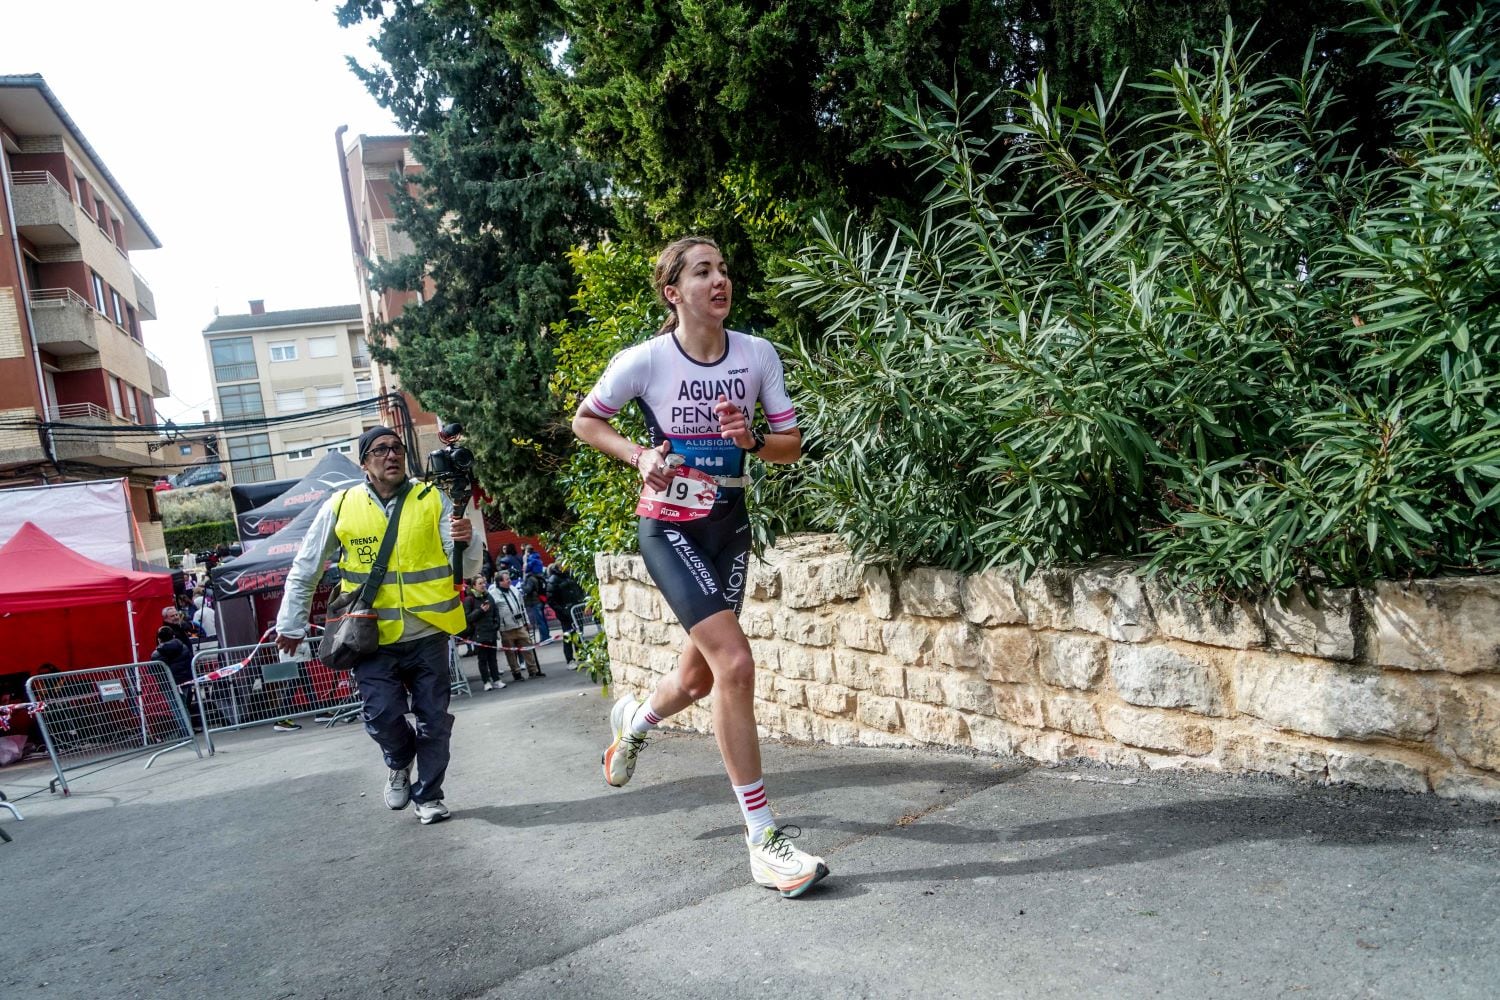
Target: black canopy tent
column 248, row 588
column 334, row 471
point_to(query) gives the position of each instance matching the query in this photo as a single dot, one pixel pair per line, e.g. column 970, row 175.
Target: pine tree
column 495, row 210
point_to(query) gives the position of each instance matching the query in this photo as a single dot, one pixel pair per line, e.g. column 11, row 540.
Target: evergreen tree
column 496, row 208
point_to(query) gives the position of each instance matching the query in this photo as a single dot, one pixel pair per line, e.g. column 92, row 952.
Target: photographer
column 417, row 608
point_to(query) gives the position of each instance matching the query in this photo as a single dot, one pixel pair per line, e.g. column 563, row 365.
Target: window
column 322, row 347
column 83, row 192
column 234, row 359
column 284, row 350
column 250, row 457
column 364, row 389
column 330, row 395
column 298, row 450
column 99, row 300
column 288, row 400
column 240, row 401
column 101, row 215
column 361, row 352
column 114, row 300
column 132, row 326
column 184, row 449
column 343, row 448
column 129, row 393
column 119, row 233
column 114, row 394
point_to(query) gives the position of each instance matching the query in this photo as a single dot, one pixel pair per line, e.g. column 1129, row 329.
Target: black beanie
column 370, row 436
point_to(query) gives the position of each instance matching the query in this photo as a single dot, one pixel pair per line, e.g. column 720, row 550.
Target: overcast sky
column 217, row 118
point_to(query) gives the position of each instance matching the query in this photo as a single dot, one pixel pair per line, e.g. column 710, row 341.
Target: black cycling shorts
column 701, row 566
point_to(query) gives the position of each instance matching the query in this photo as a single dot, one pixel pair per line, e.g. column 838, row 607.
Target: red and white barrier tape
column 20, row 706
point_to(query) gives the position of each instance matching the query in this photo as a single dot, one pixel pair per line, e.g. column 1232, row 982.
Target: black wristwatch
column 760, row 440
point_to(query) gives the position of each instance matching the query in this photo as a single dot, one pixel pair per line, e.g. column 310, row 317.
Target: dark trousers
column 489, row 666
column 410, row 677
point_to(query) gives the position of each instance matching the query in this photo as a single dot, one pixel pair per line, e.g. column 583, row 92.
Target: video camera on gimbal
column 451, row 469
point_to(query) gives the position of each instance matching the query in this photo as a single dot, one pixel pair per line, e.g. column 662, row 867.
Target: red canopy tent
column 57, row 606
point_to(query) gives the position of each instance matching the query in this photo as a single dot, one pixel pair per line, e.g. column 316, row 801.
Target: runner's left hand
column 732, row 423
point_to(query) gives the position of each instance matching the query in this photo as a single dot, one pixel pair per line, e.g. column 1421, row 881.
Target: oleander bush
column 1221, row 337
column 195, row 505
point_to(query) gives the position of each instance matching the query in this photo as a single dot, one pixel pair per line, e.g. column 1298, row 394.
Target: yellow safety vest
column 419, row 579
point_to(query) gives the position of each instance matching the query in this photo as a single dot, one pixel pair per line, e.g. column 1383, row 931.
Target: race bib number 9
column 689, row 496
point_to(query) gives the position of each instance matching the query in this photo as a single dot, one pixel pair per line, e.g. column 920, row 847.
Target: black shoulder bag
column 351, row 631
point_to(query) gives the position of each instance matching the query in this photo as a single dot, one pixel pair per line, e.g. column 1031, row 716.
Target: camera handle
column 459, row 492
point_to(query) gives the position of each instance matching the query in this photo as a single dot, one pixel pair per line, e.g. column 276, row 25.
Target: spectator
column 484, row 631
column 510, row 608
column 172, row 618
column 208, row 619
column 533, row 591
column 564, row 595
column 189, row 562
column 178, row 656
column 511, row 561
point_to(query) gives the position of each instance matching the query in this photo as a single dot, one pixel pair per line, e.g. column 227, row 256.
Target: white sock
column 644, row 719
column 756, row 808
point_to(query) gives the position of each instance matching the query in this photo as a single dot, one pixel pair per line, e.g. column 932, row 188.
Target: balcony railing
column 88, row 413
column 36, row 177
column 145, row 299
column 44, row 209
column 361, row 361
column 235, row 372
column 58, row 297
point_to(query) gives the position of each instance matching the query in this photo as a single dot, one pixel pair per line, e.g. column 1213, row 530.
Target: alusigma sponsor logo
column 691, row 559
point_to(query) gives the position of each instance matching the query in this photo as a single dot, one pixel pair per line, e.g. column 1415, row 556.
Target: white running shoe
column 776, row 864
column 398, row 788
column 619, row 757
column 432, row 812
column 488, row 686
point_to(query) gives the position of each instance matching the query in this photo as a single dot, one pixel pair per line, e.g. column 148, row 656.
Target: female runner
column 697, row 384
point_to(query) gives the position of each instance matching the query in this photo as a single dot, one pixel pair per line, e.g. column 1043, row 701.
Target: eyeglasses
column 382, row 450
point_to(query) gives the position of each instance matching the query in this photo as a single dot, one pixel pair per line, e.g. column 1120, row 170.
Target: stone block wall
column 1396, row 686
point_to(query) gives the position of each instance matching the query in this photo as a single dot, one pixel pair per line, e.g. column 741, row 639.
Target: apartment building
column 281, row 367
column 369, row 163
column 75, row 374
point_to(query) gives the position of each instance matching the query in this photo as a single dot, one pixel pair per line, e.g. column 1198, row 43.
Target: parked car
column 162, row 483
column 198, row 475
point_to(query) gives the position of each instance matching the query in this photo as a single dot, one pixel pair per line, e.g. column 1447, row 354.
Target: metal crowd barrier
column 458, row 681
column 106, row 714
column 242, row 686
column 5, row 838
column 583, row 618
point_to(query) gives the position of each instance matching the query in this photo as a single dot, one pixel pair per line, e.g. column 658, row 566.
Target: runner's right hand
column 288, row 643
column 653, row 466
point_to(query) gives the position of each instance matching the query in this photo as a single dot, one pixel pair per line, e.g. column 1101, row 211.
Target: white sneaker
column 499, row 685
column 432, row 812
column 619, row 756
column 488, row 686
column 776, row 864
column 398, row 788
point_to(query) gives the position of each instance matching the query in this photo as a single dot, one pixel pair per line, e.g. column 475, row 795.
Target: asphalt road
column 272, row 870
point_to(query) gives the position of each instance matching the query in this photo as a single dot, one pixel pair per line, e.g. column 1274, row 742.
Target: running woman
column 697, row 384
